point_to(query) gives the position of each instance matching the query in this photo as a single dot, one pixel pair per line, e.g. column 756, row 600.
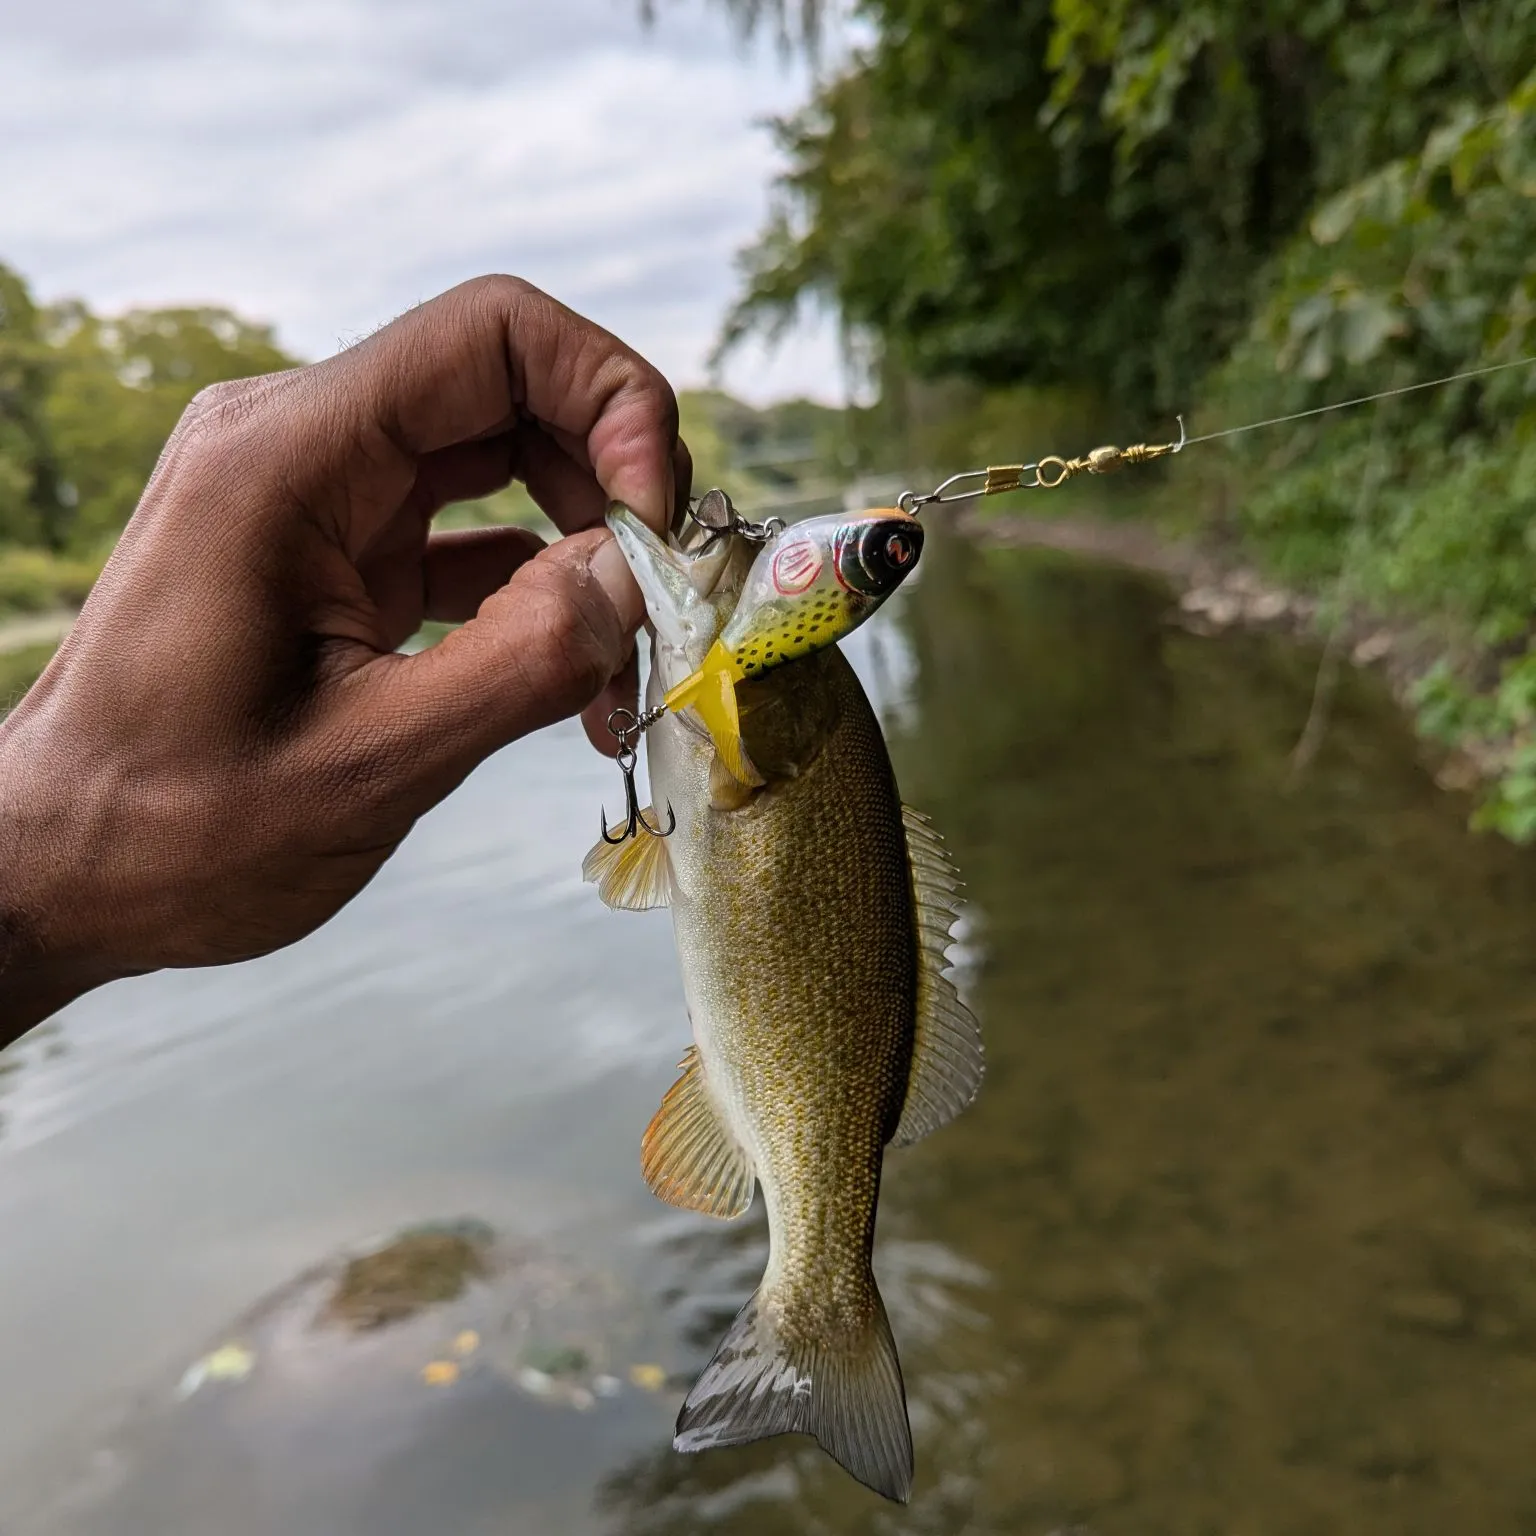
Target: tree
column 118, row 387
column 1070, row 191
column 30, row 509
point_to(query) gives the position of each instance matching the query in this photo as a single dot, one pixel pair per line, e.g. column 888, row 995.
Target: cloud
column 324, row 164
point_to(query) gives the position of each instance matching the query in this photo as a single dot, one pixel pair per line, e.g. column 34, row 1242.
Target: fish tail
column 851, row 1398
column 712, row 693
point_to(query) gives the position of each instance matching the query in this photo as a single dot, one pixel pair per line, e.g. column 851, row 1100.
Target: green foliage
column 1423, row 267
column 119, row 386
column 764, row 456
column 86, row 404
column 30, row 508
column 19, row 669
column 1261, row 208
column 1054, row 191
column 35, row 580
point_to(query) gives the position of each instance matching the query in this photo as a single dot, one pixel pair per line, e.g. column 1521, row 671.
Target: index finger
column 470, row 363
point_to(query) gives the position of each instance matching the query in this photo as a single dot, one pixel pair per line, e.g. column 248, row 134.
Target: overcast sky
column 324, row 164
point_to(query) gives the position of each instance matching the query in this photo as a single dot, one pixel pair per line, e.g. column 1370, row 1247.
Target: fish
column 812, row 913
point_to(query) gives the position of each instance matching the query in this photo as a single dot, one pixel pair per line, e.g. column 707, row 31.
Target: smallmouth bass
column 811, row 912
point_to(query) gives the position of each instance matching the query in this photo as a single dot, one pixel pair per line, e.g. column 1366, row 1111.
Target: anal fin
column 634, row 875
column 947, row 1058
column 689, row 1156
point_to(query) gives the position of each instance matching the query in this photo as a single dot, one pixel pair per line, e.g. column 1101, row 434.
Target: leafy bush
column 33, row 581
column 19, row 670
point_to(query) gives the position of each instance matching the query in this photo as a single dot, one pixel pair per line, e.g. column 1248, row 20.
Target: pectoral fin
column 689, row 1156
column 947, row 1059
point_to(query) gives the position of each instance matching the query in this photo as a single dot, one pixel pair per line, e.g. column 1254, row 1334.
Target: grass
column 35, row 581
column 19, row 670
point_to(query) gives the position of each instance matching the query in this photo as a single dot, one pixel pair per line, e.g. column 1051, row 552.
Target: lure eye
column 876, row 558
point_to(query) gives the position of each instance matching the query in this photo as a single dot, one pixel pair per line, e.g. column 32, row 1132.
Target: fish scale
column 803, row 988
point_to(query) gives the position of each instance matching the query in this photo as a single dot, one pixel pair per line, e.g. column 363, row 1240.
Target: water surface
column 1238, row 1239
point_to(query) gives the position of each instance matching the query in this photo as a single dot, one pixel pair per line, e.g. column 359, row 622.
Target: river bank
column 1217, row 590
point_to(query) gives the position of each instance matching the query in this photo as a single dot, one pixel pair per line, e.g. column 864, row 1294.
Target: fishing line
column 1047, row 473
column 1344, row 405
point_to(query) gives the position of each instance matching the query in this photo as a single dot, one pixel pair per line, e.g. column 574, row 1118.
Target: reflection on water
column 1238, row 1238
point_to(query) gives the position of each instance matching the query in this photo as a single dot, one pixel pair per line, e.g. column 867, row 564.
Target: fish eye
column 898, row 550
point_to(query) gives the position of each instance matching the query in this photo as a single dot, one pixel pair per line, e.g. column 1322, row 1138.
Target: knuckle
column 229, row 406
column 498, row 290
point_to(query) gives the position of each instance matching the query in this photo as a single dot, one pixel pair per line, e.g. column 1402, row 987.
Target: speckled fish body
column 811, row 912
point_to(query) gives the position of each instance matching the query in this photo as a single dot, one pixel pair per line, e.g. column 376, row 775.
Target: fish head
column 816, row 582
column 691, row 581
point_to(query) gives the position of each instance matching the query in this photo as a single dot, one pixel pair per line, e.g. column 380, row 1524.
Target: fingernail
column 610, row 570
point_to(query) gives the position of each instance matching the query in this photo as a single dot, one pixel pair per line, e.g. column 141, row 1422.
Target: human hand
column 227, row 746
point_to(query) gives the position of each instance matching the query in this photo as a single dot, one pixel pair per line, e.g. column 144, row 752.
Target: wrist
column 47, row 958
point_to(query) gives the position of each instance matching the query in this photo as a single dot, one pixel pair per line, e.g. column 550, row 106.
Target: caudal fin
column 852, row 1401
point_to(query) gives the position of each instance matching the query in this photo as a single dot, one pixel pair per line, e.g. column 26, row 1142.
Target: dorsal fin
column 689, row 1156
column 634, row 875
column 947, row 1058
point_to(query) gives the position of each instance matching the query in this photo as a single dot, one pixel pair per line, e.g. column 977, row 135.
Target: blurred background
column 1240, row 1237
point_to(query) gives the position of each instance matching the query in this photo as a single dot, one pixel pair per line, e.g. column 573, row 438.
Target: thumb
column 538, row 650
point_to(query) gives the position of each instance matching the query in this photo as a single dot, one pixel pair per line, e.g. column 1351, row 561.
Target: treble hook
column 634, row 822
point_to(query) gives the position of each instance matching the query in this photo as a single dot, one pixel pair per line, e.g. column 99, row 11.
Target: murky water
column 1241, row 1237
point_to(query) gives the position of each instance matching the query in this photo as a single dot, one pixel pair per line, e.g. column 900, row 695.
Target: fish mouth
column 706, row 554
column 691, row 584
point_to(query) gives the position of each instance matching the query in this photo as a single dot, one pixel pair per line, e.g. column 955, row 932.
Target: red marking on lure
column 795, row 566
column 845, row 537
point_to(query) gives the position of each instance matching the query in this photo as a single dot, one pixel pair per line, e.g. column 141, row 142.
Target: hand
column 227, row 747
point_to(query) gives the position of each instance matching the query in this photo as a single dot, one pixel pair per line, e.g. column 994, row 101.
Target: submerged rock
column 437, row 1377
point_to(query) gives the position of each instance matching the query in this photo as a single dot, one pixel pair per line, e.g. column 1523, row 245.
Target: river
column 1240, row 1237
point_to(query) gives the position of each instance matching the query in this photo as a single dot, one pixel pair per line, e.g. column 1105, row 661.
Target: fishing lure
column 808, row 587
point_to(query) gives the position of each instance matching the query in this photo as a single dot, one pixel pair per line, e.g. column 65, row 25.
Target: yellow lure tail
column 711, row 691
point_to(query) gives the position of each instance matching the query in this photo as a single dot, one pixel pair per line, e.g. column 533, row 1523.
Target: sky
column 323, row 165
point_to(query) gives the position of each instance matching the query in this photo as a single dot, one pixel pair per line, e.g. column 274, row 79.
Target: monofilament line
column 1344, row 405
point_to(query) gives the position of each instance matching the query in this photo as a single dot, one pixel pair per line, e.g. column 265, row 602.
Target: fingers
column 566, row 491
column 682, row 477
column 464, row 367
column 460, row 570
column 621, row 692
column 464, row 472
column 539, row 650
